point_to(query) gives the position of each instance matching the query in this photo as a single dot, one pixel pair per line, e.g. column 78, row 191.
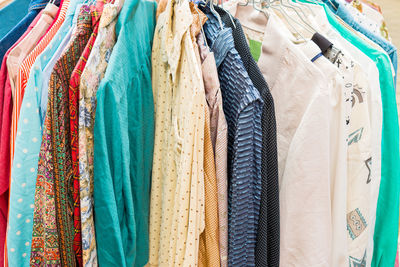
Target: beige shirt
column 366, row 80
column 22, row 50
column 339, row 113
column 219, row 137
column 177, row 191
column 304, row 105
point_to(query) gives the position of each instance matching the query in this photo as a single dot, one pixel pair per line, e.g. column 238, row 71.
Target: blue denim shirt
column 242, row 106
column 18, row 30
column 341, row 11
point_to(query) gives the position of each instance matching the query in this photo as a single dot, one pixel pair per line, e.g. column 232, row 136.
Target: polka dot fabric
column 177, row 191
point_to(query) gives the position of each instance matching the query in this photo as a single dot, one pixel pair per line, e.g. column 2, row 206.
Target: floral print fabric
column 89, row 82
column 96, row 11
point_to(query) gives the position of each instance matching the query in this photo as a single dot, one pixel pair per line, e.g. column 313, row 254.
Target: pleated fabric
column 242, row 105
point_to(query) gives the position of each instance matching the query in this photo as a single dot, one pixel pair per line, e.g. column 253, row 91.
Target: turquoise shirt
column 26, row 157
column 387, row 213
column 123, row 141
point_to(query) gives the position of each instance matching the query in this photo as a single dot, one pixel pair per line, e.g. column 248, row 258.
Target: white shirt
column 369, row 68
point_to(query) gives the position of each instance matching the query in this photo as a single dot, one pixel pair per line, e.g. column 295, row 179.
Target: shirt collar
column 176, row 20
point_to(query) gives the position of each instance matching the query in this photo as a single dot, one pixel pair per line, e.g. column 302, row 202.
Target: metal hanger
column 215, row 13
column 227, row 12
column 306, row 25
column 268, row 4
column 300, row 6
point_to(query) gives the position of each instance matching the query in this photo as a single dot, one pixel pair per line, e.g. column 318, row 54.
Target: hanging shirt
column 177, row 191
column 303, row 109
column 55, row 163
column 50, row 66
column 243, row 109
column 28, row 141
column 209, row 254
column 209, row 247
column 9, row 39
column 267, row 248
column 5, row 125
column 95, row 11
column 25, row 68
column 363, row 20
column 123, row 140
column 376, row 16
column 359, row 154
column 386, row 225
column 22, row 50
column 339, row 98
column 91, row 76
column 219, row 138
column 362, row 66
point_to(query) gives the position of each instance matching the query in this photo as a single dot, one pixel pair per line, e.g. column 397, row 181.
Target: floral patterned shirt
column 96, row 11
column 89, row 82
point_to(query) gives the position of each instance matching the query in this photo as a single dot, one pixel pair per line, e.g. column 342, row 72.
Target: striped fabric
column 25, row 68
column 22, row 80
column 242, row 107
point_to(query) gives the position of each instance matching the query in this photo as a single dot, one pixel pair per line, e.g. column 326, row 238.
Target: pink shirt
column 55, row 19
column 5, row 126
column 23, row 48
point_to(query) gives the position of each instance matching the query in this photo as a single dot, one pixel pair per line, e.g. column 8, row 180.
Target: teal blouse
column 123, row 141
column 387, row 213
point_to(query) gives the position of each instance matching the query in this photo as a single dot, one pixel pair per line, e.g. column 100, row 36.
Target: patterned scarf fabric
column 92, row 75
column 95, row 12
column 53, row 226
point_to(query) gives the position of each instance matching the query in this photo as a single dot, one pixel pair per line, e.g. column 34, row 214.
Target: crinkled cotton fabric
column 243, row 109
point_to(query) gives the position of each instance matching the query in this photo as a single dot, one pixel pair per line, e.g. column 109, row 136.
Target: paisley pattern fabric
column 89, row 82
column 96, row 11
column 53, row 229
